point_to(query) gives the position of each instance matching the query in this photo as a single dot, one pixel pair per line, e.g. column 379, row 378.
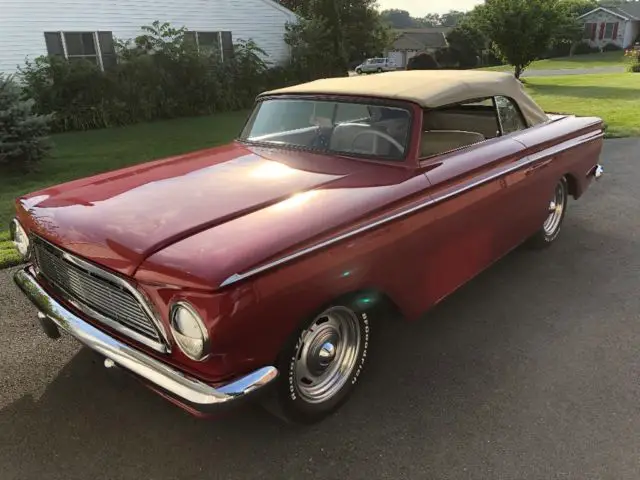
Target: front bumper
column 189, row 392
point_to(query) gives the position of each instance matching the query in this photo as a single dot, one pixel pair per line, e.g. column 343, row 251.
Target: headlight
column 20, row 238
column 189, row 331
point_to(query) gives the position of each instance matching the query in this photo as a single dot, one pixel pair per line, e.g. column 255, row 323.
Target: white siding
column 23, row 22
column 631, row 33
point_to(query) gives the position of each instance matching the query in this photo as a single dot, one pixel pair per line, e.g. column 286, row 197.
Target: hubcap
column 556, row 209
column 327, row 354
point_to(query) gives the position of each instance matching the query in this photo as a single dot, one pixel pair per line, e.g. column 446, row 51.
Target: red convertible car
column 256, row 268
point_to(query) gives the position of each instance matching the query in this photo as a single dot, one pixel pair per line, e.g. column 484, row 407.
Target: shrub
column 422, row 61
column 635, row 68
column 23, row 139
column 611, row 47
column 559, row 49
column 583, row 48
column 160, row 74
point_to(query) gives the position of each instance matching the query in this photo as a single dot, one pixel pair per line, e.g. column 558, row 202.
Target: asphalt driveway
column 529, row 372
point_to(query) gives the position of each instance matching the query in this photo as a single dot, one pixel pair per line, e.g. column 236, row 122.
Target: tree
column 431, row 20
column 330, row 33
column 521, row 31
column 580, row 7
column 452, row 18
column 23, row 139
column 466, row 43
column 398, row 18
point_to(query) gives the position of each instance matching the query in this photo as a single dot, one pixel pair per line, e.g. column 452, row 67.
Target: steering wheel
column 380, row 134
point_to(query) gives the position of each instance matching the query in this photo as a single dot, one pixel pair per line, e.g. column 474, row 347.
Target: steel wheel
column 556, row 210
column 327, row 355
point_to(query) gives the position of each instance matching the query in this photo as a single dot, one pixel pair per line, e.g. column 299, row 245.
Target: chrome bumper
column 188, row 391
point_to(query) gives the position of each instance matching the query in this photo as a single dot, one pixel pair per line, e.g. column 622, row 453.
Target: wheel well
column 572, row 183
column 374, row 299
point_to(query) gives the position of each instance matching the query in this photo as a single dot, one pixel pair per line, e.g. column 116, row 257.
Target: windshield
column 375, row 131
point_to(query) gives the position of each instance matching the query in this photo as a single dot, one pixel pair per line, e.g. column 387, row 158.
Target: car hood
column 118, row 219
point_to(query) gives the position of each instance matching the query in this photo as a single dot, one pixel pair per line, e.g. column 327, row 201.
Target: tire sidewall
column 294, row 405
column 550, row 238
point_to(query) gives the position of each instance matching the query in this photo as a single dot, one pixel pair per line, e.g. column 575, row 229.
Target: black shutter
column 227, row 45
column 190, row 39
column 106, row 43
column 54, row 43
column 107, row 50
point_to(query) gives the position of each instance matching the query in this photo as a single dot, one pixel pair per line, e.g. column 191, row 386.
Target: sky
column 419, row 8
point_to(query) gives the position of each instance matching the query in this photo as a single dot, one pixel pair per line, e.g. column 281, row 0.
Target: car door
column 479, row 196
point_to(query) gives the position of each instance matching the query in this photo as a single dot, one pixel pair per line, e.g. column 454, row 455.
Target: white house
column 86, row 28
column 618, row 24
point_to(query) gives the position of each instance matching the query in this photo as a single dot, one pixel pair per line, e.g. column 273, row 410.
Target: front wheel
column 359, row 71
column 553, row 223
column 321, row 364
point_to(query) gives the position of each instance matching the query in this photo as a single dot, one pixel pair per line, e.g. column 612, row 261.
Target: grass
column 8, row 255
column 613, row 97
column 591, row 60
column 80, row 154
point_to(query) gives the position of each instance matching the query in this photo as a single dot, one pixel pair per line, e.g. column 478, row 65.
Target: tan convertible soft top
column 427, row 88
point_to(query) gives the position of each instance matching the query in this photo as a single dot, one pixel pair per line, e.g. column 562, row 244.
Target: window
column 610, row 30
column 219, row 43
column 510, row 117
column 348, row 128
column 96, row 47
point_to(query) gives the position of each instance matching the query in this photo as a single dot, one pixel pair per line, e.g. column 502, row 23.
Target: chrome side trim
column 556, row 149
column 185, row 388
column 140, row 298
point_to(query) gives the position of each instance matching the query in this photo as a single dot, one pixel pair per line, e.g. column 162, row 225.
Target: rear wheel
column 553, row 223
column 379, row 70
column 321, row 364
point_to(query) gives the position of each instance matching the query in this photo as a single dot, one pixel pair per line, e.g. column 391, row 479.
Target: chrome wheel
column 327, row 354
column 556, row 210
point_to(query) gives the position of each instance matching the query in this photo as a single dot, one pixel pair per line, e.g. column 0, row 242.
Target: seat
column 435, row 142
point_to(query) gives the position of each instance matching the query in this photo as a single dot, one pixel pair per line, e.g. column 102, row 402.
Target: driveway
column 529, row 372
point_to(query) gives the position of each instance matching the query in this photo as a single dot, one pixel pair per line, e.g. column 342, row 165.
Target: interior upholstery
column 478, row 121
column 435, row 142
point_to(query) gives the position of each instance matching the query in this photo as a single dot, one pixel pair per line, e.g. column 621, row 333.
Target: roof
column 412, row 39
column 427, row 88
column 628, row 11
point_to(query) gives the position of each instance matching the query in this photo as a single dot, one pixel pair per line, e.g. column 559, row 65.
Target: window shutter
column 227, row 45
column 54, row 44
column 106, row 43
column 615, row 31
column 190, row 39
column 602, row 27
column 594, row 27
column 107, row 49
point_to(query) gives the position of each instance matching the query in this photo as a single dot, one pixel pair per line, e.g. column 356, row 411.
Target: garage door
column 397, row 57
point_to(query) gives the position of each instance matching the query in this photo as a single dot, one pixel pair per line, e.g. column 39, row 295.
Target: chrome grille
column 88, row 289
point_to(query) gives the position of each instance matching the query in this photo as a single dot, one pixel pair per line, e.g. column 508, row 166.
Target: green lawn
column 80, row 154
column 605, row 59
column 614, row 97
